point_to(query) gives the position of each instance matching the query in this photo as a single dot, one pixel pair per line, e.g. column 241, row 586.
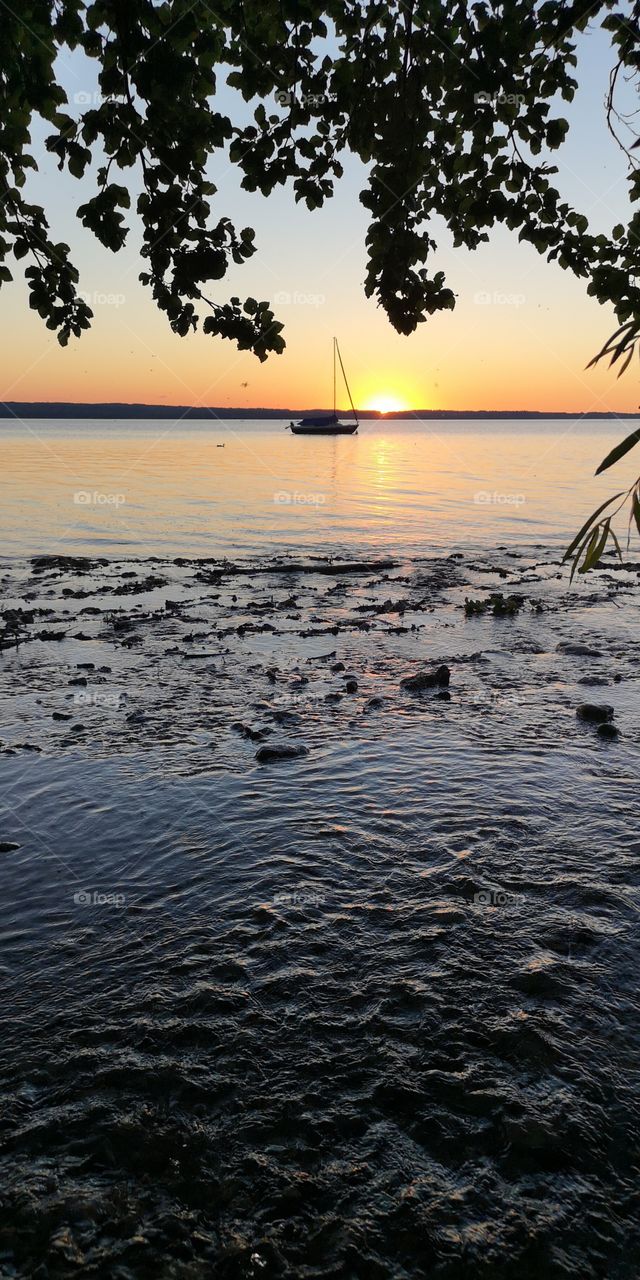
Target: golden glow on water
column 170, row 488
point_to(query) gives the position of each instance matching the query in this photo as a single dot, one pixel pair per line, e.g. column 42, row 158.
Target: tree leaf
column 596, row 547
column 619, row 451
column 587, row 525
column 635, row 507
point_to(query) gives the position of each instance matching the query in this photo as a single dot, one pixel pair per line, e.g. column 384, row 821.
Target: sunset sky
column 519, row 338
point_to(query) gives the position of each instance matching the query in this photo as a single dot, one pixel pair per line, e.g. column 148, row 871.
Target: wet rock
column 374, row 704
column 286, row 717
column 427, row 680
column 443, row 695
column 593, row 680
column 61, row 715
column 78, row 680
column 16, row 618
column 578, row 650
column 246, row 731
column 280, row 751
column 351, row 685
column 77, row 564
column 595, row 714
column 9, row 846
column 135, row 588
column 333, row 697
column 337, row 666
column 608, row 731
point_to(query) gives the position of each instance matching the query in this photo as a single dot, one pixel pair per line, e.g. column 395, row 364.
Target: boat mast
column 335, row 343
column 353, row 407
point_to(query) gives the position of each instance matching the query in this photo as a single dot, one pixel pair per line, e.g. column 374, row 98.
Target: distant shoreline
column 12, row 409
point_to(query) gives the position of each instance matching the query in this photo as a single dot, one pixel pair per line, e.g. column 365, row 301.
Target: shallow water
column 369, row 1012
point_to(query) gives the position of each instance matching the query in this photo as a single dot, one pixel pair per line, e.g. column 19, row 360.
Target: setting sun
column 386, row 404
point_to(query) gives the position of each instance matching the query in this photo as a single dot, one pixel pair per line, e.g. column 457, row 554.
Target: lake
column 159, row 488
column 366, row 1009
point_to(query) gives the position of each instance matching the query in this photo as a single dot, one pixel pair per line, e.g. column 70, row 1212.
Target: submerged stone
column 577, row 650
column 608, row 731
column 280, row 751
column 594, row 714
column 427, row 680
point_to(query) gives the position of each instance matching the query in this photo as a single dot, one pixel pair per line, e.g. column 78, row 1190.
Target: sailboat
column 328, row 424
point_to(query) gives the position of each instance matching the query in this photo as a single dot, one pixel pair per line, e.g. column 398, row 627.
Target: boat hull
column 339, row 429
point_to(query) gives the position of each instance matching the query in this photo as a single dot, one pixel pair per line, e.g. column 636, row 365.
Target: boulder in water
column 595, row 714
column 608, row 731
column 280, row 751
column 437, row 679
column 577, row 650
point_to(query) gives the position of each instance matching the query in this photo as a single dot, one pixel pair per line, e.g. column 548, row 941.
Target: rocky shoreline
column 108, row 656
column 316, row 880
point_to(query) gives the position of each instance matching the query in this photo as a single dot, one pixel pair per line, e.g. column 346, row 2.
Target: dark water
column 371, row 1012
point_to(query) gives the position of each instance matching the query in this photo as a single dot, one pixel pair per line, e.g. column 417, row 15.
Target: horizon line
column 123, row 409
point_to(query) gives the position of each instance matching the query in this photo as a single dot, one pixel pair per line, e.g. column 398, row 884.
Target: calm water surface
column 163, row 488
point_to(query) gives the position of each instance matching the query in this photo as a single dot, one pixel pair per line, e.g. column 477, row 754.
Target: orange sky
column 485, row 355
column 519, row 338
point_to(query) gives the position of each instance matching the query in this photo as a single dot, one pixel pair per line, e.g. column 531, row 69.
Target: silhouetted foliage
column 449, row 104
